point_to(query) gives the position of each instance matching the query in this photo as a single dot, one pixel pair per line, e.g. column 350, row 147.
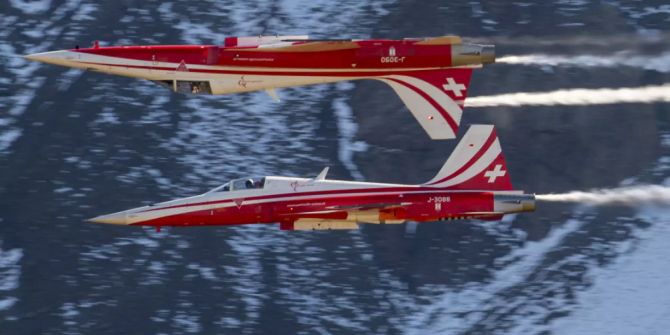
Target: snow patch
column 347, row 128
column 187, row 323
column 630, row 295
column 10, row 273
column 205, row 272
column 8, row 137
column 444, row 314
column 7, row 303
column 31, row 7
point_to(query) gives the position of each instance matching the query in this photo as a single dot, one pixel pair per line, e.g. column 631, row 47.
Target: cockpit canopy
column 241, row 184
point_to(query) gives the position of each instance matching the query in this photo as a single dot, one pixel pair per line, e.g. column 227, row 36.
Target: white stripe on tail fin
column 477, row 163
column 435, row 98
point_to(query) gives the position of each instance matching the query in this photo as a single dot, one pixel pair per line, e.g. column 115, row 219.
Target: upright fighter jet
column 431, row 75
column 472, row 184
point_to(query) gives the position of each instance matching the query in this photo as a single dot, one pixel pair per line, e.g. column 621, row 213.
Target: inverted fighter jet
column 430, row 75
column 473, row 184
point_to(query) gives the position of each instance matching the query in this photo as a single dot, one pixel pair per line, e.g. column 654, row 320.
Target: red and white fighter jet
column 472, row 184
column 431, row 75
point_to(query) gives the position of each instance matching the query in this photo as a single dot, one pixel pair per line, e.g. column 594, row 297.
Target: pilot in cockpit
column 241, row 184
column 252, row 184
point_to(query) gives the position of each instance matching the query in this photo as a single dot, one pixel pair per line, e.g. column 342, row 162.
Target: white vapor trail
column 577, row 96
column 660, row 63
column 629, row 196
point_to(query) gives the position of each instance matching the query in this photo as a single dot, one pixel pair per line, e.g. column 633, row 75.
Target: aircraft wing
column 318, row 224
column 339, row 217
column 303, row 47
column 367, row 207
column 435, row 97
column 348, row 209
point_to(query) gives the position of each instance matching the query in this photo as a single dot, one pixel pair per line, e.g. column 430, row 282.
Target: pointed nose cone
column 62, row 57
column 116, row 218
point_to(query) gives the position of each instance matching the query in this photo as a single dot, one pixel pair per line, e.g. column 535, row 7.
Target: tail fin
column 435, row 98
column 477, row 163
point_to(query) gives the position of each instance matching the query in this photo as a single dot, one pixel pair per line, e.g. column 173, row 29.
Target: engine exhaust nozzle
column 488, row 54
column 514, row 203
column 472, row 54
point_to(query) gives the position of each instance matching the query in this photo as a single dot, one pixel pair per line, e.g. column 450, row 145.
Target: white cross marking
column 453, row 86
column 492, row 175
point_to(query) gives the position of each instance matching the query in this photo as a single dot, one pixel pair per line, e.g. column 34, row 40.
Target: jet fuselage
column 300, row 203
column 431, row 75
column 472, row 184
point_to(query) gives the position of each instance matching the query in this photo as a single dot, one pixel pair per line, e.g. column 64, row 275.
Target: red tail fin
column 435, row 98
column 477, row 163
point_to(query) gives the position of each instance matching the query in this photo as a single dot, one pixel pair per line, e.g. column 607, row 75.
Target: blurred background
column 74, row 145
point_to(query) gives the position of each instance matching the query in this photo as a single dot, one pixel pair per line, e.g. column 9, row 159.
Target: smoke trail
column 660, row 63
column 628, row 196
column 633, row 41
column 578, row 96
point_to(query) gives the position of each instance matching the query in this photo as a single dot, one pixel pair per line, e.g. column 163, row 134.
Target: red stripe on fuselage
column 400, row 190
column 330, row 73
